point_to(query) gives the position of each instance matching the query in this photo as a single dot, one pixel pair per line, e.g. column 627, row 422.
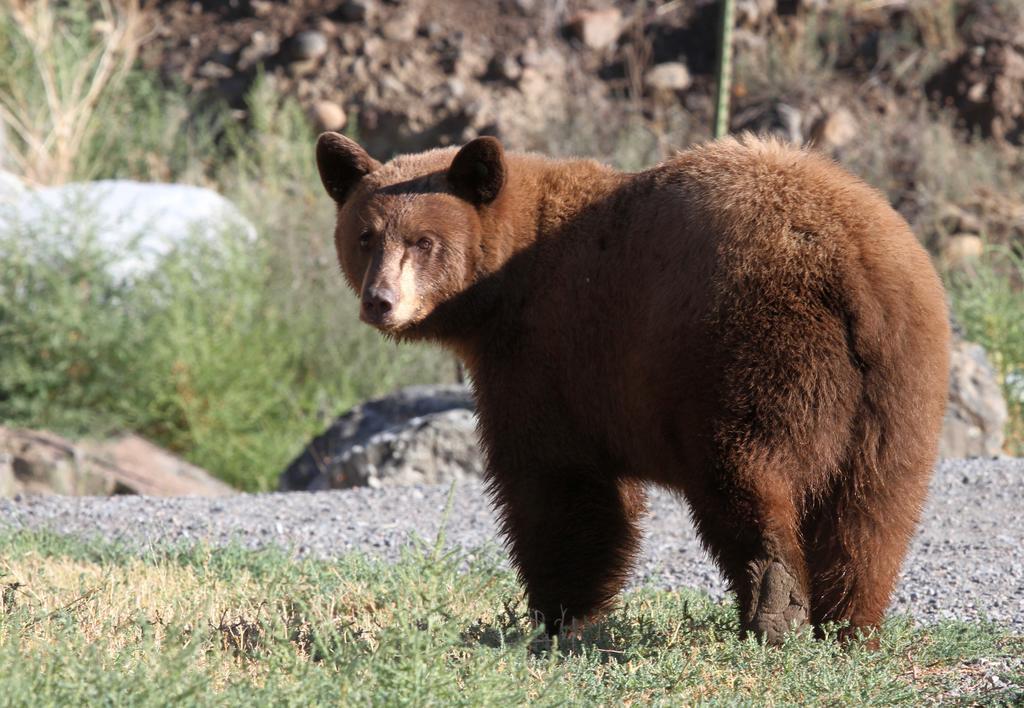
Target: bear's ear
column 342, row 163
column 478, row 171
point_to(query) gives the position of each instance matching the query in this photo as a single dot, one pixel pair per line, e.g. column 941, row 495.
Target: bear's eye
column 424, row 244
column 364, row 239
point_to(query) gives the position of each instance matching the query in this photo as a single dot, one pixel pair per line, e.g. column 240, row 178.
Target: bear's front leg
column 572, row 536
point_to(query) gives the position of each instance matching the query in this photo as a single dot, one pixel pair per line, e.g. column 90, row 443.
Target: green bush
column 989, row 302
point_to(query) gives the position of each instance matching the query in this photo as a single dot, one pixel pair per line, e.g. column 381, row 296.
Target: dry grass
column 230, row 627
column 51, row 116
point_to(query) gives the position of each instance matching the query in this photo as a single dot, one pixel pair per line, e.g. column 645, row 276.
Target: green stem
column 723, row 69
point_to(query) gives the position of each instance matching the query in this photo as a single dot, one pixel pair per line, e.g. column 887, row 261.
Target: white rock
column 669, row 76
column 597, row 29
column 138, row 223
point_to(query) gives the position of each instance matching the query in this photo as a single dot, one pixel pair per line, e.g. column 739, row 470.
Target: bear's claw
column 778, row 603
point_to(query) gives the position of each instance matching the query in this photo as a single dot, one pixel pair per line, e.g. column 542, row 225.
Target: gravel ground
column 967, row 560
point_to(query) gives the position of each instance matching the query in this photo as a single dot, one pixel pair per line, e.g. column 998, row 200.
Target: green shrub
column 989, row 302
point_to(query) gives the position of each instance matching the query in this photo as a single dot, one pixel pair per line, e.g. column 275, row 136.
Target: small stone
column 503, row 67
column 597, row 29
column 670, row 76
column 261, row 8
column 354, row 10
column 373, row 47
column 433, row 30
column 834, row 130
column 962, row 249
column 401, row 28
column 328, row 115
column 260, row 46
column 327, row 27
column 214, row 70
column 750, row 12
column 308, row 45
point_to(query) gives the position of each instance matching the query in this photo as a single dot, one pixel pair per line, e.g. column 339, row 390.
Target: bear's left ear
column 478, row 171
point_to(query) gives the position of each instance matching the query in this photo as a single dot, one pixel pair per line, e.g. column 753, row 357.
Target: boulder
column 439, row 448
column 40, row 462
column 135, row 223
column 418, row 433
column 976, row 414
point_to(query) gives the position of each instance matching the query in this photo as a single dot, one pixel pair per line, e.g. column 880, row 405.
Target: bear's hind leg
column 857, row 543
column 751, row 532
column 572, row 538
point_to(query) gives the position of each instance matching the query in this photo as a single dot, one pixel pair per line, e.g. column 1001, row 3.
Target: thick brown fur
column 745, row 323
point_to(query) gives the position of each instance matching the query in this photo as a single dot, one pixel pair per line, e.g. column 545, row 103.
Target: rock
column 955, row 219
column 135, row 223
column 750, row 12
column 402, row 27
column 40, row 462
column 140, row 467
column 776, row 118
column 834, row 130
column 435, row 449
column 389, row 439
column 328, row 115
column 260, row 46
column 961, row 249
column 214, row 70
column 306, row 46
column 354, row 10
column 669, row 76
column 503, row 67
column 596, row 29
column 985, row 83
column 976, row 414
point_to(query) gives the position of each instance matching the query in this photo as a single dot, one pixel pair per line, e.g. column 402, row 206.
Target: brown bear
column 746, row 324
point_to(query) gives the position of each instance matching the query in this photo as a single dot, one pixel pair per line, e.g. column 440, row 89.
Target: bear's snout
column 377, row 304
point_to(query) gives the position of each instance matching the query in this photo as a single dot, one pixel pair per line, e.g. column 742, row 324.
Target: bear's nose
column 377, row 303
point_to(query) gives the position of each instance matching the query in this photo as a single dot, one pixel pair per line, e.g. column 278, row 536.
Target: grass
column 89, row 622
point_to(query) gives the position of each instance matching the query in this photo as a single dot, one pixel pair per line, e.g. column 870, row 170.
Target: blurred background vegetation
column 235, row 352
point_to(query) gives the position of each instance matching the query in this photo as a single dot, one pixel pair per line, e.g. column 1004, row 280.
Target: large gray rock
column 433, row 449
column 976, row 414
column 418, row 434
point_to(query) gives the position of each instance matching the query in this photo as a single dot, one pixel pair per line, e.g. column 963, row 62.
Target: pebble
column 311, row 44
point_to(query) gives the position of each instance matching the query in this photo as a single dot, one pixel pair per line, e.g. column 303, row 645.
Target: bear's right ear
column 342, row 163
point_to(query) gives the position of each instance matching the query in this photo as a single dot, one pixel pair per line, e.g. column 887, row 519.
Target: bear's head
column 408, row 232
